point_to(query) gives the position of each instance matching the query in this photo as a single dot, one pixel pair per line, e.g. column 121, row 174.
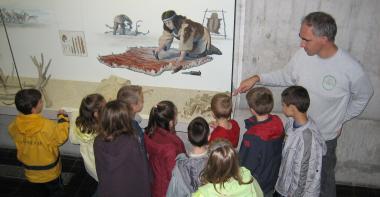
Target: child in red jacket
column 221, row 107
column 162, row 145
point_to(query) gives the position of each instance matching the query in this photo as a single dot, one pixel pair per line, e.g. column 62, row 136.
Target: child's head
column 29, row 101
column 89, row 112
column 221, row 106
column 223, row 164
column 260, row 100
column 295, row 98
column 163, row 115
column 133, row 96
column 115, row 120
column 198, row 132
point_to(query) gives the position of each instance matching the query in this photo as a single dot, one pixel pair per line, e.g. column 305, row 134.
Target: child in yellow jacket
column 37, row 141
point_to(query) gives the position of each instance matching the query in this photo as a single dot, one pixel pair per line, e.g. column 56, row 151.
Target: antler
column 8, row 97
column 3, row 79
column 42, row 79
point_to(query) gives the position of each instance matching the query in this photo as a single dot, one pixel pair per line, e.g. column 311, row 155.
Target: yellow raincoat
column 37, row 140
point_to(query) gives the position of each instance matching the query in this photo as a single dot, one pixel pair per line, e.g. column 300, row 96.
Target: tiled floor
column 82, row 185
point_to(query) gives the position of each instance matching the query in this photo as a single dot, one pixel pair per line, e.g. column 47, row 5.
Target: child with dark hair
column 224, row 126
column 37, row 142
column 223, row 176
column 86, row 129
column 185, row 176
column 134, row 97
column 162, row 145
column 121, row 166
column 260, row 150
column 300, row 171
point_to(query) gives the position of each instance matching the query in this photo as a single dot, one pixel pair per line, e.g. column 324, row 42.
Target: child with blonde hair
column 134, row 97
column 224, row 126
column 223, row 175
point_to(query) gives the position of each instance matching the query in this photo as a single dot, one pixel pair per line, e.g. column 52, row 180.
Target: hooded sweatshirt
column 86, row 141
column 37, row 140
column 185, row 176
column 162, row 148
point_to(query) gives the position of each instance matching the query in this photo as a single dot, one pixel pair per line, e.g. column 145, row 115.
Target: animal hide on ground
column 141, row 59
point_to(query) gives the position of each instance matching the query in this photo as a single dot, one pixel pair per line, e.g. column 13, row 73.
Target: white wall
column 270, row 38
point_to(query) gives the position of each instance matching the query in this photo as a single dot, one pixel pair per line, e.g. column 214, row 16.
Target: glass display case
column 68, row 49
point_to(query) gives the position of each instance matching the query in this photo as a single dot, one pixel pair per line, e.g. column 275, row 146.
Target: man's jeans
column 328, row 187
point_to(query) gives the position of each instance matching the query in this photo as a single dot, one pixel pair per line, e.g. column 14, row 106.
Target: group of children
column 127, row 160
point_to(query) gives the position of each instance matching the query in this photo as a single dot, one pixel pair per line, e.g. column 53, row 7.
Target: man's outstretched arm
column 246, row 84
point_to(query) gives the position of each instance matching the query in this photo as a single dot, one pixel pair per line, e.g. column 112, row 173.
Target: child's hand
column 62, row 116
column 62, row 111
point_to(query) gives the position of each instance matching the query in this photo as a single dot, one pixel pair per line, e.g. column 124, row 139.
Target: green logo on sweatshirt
column 329, row 82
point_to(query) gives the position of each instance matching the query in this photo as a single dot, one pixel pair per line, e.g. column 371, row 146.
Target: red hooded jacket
column 162, row 148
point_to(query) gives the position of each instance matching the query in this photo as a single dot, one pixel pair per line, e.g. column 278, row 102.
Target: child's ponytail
column 151, row 122
column 160, row 116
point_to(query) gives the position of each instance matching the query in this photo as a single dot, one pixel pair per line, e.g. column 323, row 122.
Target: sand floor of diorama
column 68, row 94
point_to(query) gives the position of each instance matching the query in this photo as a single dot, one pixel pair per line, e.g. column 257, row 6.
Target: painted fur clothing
column 260, row 150
column 37, row 141
column 300, row 171
column 192, row 36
